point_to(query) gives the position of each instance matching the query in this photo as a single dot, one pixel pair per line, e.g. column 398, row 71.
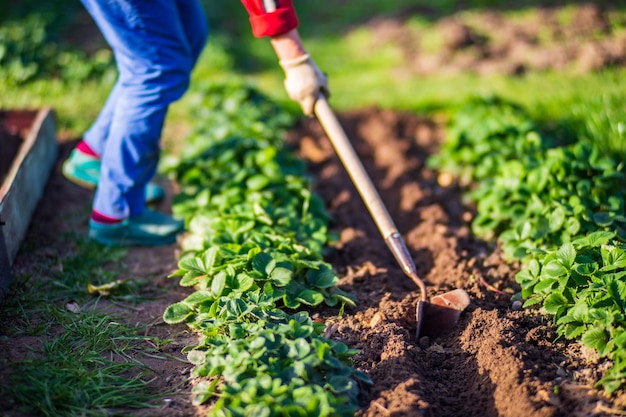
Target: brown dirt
column 496, row 362
column 12, row 133
column 64, row 208
column 488, row 42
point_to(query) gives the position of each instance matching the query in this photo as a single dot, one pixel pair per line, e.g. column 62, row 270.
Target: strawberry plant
column 582, row 285
column 559, row 207
column 29, row 49
column 253, row 251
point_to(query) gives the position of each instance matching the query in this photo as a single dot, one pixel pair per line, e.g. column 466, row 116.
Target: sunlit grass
column 84, row 362
column 76, row 105
column 84, row 371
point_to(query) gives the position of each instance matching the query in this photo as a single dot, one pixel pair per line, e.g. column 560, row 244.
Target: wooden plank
column 24, row 184
column 5, row 266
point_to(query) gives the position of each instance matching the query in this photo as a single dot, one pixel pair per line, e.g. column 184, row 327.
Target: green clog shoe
column 150, row 228
column 84, row 170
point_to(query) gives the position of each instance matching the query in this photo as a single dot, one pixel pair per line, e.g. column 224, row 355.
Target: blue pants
column 156, row 44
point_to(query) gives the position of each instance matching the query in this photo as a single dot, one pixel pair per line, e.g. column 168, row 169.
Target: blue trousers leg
column 155, row 44
column 98, row 133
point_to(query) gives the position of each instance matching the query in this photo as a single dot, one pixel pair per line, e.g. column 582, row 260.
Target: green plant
column 282, row 367
column 28, row 50
column 532, row 191
column 559, row 207
column 88, row 362
column 254, row 250
column 582, row 285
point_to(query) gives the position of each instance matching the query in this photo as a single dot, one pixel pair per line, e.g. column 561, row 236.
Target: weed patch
column 86, row 362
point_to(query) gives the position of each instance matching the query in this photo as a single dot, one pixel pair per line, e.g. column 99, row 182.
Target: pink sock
column 84, row 148
column 101, row 218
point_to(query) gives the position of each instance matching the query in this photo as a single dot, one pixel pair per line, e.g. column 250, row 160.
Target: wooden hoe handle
column 354, row 167
column 366, row 189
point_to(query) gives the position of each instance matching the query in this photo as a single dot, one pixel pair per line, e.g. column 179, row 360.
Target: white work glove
column 304, row 82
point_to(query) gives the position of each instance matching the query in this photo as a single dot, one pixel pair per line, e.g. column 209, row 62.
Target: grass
column 359, row 75
column 85, row 370
column 84, row 362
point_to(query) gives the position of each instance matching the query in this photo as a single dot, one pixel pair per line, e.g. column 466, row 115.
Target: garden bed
column 497, row 362
column 27, row 152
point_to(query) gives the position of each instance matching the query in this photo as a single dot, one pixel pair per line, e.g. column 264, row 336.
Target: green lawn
column 359, row 75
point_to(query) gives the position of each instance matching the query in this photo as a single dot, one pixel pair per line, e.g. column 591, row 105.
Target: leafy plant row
column 30, row 49
column 558, row 206
column 253, row 253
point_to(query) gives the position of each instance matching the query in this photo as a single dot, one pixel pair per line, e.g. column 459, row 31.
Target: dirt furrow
column 497, row 362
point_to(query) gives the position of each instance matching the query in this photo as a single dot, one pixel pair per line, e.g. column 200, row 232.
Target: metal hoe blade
column 443, row 312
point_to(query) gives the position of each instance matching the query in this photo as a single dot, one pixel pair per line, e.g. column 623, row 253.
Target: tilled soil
column 496, row 362
column 582, row 37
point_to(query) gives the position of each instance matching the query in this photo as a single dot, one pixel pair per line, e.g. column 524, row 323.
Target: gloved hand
column 304, row 82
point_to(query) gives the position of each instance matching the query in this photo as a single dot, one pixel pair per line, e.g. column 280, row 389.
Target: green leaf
column 244, row 282
column 556, row 219
column 210, row 258
column 261, row 261
column 613, row 257
column 177, row 313
column 281, row 276
column 526, row 230
column 566, row 254
column 196, row 356
column 236, row 331
column 311, row 297
column 290, row 302
column 192, row 264
column 596, row 338
column 257, row 182
column 611, row 385
column 191, row 278
column 602, row 219
column 586, row 269
column 257, row 343
column 544, row 285
column 300, row 348
column 534, row 268
column 203, row 391
column 573, row 330
column 572, row 225
column 322, row 278
column 218, row 283
column 532, row 301
column 554, row 302
column 617, row 290
column 198, row 297
column 595, row 239
column 554, row 269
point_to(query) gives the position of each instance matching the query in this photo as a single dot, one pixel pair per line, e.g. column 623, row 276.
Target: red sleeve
column 271, row 17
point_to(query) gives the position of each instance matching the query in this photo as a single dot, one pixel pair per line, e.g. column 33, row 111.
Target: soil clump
column 579, row 37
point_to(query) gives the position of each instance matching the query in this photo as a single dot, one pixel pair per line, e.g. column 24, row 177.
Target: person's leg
column 154, row 61
column 195, row 25
column 95, row 137
column 196, row 31
column 83, row 165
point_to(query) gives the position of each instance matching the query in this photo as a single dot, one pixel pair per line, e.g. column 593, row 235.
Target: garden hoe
column 442, row 313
